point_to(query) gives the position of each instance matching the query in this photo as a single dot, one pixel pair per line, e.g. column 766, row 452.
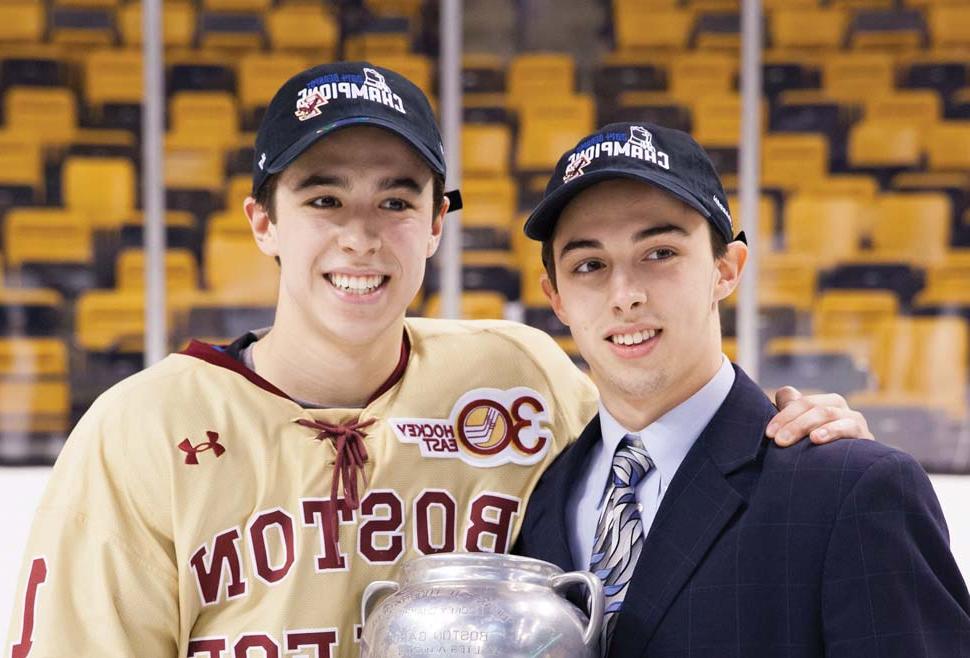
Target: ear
column 264, row 231
column 437, row 225
column 555, row 300
column 728, row 269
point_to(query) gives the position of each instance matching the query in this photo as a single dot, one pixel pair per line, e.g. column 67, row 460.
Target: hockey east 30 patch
column 487, row 427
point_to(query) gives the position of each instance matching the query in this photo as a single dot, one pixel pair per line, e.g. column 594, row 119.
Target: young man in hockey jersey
column 236, row 500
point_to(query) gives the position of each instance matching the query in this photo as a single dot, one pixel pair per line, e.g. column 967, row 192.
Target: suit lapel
column 699, row 503
column 554, row 491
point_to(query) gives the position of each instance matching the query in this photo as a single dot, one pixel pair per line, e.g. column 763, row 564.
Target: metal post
column 153, row 184
column 449, row 255
column 749, row 182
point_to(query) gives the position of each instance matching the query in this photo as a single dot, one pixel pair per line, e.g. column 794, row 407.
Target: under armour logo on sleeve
column 192, row 451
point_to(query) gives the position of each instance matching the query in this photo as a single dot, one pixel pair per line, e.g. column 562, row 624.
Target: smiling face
column 638, row 285
column 354, row 226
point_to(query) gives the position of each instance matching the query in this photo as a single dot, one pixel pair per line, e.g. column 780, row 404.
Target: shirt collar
column 669, row 438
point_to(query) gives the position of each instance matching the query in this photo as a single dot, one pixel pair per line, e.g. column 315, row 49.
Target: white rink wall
column 21, row 488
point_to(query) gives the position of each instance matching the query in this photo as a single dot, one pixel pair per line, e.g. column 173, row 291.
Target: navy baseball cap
column 666, row 158
column 329, row 97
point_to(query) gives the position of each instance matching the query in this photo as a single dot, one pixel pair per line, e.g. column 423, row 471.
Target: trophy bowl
column 481, row 604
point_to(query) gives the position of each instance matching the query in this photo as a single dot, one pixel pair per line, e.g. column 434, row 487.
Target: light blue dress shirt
column 668, row 440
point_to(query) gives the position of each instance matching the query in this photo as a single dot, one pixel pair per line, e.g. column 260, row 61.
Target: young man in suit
column 710, row 540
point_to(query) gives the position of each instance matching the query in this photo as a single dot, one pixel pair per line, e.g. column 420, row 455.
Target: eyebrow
column 644, row 234
column 317, row 180
column 405, row 182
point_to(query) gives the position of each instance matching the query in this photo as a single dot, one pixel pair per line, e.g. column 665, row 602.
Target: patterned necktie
column 619, row 532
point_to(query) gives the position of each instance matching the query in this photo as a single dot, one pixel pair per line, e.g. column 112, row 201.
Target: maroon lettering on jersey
column 209, row 574
column 491, row 514
column 207, row 647
column 387, row 526
column 283, row 522
column 321, row 638
column 36, row 578
column 428, row 500
column 315, row 513
column 256, row 641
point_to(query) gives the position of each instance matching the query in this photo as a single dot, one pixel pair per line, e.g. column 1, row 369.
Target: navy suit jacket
column 760, row 551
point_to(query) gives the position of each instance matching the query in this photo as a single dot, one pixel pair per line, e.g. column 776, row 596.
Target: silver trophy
column 481, row 604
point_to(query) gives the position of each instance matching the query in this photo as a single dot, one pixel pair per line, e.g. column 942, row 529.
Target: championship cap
column 666, row 158
column 326, row 98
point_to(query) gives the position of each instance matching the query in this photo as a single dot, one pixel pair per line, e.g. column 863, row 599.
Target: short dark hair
column 718, row 248
column 265, row 196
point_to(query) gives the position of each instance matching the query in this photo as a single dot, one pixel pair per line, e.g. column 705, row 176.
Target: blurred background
column 863, row 229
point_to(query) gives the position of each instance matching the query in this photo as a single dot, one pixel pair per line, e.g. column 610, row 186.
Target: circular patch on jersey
column 486, row 427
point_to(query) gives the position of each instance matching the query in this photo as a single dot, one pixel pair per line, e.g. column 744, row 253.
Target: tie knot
column 630, row 462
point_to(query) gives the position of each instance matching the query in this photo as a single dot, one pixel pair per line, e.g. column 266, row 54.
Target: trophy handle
column 594, row 586
column 369, row 592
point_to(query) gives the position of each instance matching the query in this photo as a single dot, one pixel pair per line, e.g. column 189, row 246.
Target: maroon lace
column 348, row 441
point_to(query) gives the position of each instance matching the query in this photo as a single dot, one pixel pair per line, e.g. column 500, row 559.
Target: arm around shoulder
column 891, row 586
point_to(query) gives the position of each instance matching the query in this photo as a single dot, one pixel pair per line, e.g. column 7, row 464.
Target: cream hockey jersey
column 192, row 511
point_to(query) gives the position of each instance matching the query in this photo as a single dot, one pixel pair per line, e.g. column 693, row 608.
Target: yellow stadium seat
column 46, row 114
column 207, row 118
column 637, row 26
column 826, row 228
column 304, row 28
column 237, row 5
column 539, row 77
column 926, row 357
column 21, row 21
column 807, row 26
column 22, row 163
column 885, row 143
column 766, row 220
column 854, row 77
column 787, row 280
column 486, row 149
column 921, row 107
column 475, row 305
column 407, row 8
column 948, row 146
column 97, row 30
column 489, row 202
column 370, row 45
column 789, row 160
column 416, row 68
column 904, row 220
column 717, row 120
column 32, row 357
column 853, row 314
column 548, row 131
column 947, row 281
column 238, row 188
column 48, row 235
column 34, row 392
column 260, row 75
column 113, row 76
column 110, row 320
column 34, row 406
column 181, row 270
column 857, row 186
column 235, row 268
column 949, row 25
column 178, row 23
column 696, row 74
column 190, row 167
column 101, row 188
column 864, row 4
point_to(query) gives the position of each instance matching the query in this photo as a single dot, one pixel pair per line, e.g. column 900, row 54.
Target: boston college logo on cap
column 370, row 86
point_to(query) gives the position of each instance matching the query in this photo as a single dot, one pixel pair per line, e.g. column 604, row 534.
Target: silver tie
column 619, row 532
